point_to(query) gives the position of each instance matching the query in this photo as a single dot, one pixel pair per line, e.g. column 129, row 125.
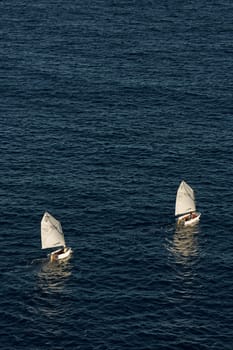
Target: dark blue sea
column 105, row 107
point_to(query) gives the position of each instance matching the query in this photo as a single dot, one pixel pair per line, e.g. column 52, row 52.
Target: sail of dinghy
column 185, row 199
column 51, row 232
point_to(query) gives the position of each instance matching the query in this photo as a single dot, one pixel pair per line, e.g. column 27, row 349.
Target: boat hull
column 189, row 219
column 60, row 254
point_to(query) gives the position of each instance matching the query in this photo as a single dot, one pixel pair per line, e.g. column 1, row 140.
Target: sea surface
column 105, row 107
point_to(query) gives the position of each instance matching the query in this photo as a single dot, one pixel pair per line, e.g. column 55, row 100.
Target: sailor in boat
column 189, row 218
column 59, row 254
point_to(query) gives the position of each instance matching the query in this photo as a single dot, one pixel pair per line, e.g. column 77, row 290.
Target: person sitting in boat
column 193, row 215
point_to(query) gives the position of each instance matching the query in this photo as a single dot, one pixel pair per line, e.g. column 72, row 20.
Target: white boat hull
column 189, row 219
column 60, row 254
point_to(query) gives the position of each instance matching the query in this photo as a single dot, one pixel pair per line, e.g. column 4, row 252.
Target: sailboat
column 185, row 209
column 52, row 236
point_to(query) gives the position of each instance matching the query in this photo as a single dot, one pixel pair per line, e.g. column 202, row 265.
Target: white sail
column 185, row 199
column 51, row 232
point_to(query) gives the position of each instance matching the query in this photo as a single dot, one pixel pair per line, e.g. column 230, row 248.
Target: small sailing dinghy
column 185, row 206
column 52, row 236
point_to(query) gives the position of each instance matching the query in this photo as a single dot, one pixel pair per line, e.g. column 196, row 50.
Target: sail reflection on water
column 184, row 245
column 183, row 248
column 53, row 276
column 52, row 286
